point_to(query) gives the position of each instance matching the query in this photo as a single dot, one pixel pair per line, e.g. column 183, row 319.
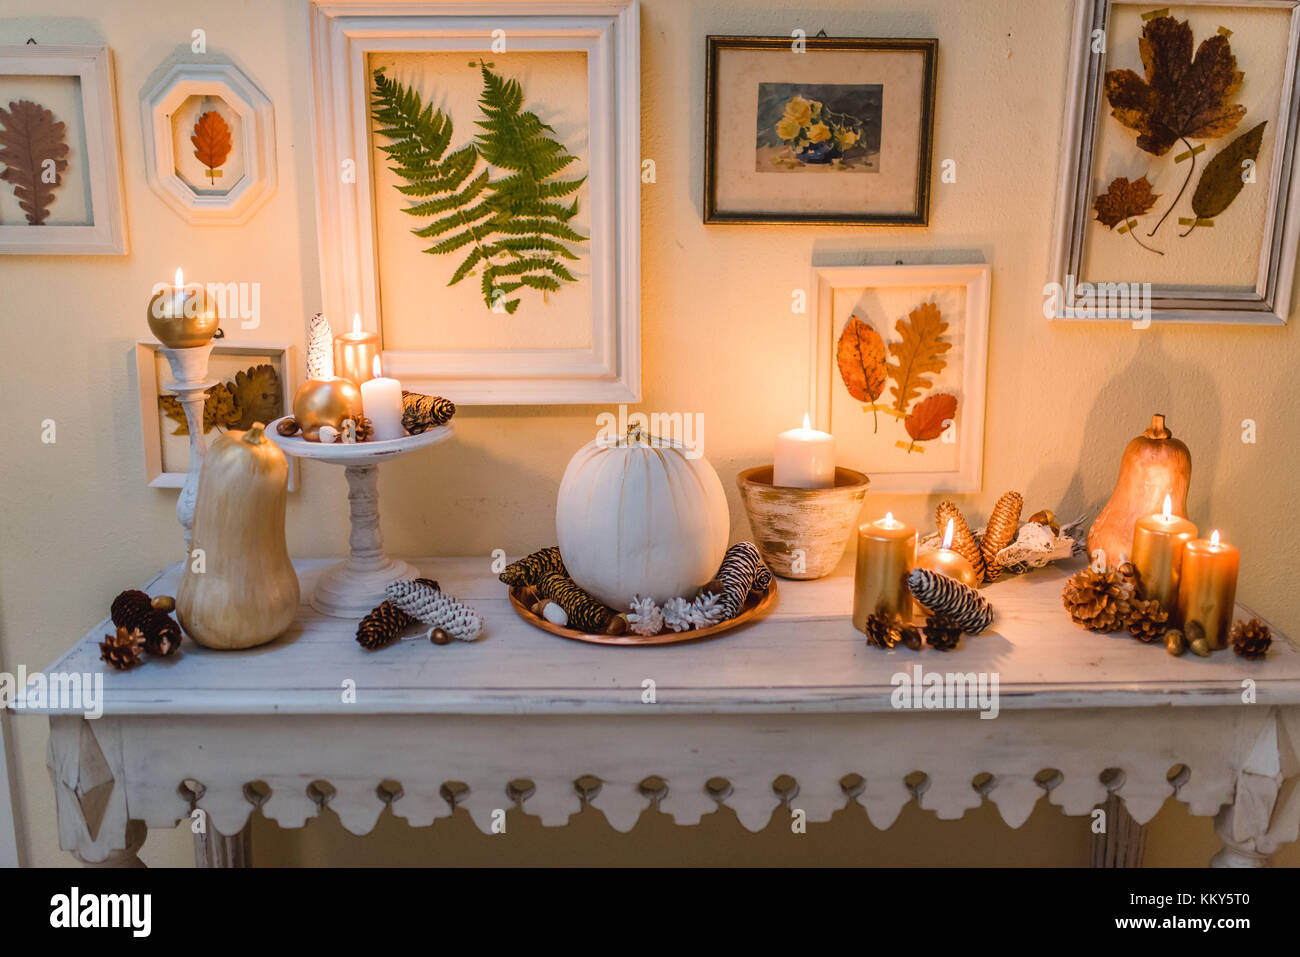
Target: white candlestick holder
column 190, row 382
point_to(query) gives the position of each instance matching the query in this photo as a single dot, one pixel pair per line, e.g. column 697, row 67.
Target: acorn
column 1046, row 517
column 439, row 637
column 163, row 603
column 616, row 625
column 1175, row 643
column 1201, row 647
column 287, row 426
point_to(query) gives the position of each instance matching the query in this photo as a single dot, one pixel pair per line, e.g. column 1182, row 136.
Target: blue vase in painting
column 819, row 154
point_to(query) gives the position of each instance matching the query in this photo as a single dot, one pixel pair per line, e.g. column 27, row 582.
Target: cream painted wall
column 718, row 338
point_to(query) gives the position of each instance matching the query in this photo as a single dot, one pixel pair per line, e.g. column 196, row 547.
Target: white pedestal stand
column 353, row 587
column 190, row 382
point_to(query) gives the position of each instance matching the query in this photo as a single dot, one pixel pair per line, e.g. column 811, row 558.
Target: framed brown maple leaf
column 60, row 182
column 1178, row 196
column 899, row 376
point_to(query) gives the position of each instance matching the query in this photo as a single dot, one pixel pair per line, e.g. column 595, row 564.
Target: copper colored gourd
column 1155, row 464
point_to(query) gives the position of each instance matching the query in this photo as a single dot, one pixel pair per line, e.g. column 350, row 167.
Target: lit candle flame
column 1169, row 508
column 807, row 422
column 356, row 323
column 889, row 518
column 180, row 278
column 1214, row 538
column 947, row 535
column 375, row 368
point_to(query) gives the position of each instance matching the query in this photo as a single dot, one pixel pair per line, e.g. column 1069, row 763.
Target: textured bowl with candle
column 802, row 532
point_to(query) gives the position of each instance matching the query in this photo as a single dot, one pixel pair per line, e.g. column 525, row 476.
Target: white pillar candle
column 805, row 458
column 381, row 401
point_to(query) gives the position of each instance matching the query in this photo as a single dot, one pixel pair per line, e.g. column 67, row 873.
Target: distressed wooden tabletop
column 803, row 657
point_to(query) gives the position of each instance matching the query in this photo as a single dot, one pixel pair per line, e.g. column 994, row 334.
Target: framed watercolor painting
column 253, row 384
column 1179, row 193
column 60, row 178
column 478, row 170
column 898, row 375
column 819, row 130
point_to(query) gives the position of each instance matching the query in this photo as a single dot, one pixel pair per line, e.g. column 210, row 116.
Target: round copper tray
column 754, row 608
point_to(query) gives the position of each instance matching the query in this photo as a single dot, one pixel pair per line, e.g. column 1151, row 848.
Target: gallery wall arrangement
column 593, row 407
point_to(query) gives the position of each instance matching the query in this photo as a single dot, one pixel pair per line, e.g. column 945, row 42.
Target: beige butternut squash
column 239, row 588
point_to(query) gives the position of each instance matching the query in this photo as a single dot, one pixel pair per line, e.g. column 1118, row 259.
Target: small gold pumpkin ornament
column 325, row 402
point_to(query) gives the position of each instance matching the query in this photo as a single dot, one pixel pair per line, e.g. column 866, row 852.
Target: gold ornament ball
column 194, row 324
column 325, row 402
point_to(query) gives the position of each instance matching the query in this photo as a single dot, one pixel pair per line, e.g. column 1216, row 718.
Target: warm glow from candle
column 180, row 278
column 375, row 368
column 947, row 535
column 889, row 518
column 807, row 422
column 1169, row 508
column 356, row 323
column 1214, row 538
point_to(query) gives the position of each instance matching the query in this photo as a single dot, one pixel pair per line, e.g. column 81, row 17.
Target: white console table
column 792, row 710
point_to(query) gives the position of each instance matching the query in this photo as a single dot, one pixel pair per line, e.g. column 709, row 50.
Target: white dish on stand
column 353, row 587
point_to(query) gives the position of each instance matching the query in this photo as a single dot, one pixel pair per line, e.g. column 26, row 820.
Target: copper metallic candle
column 945, row 561
column 1157, row 554
column 355, row 353
column 886, row 550
column 1208, row 589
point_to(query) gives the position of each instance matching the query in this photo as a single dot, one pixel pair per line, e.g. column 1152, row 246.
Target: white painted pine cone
column 431, row 606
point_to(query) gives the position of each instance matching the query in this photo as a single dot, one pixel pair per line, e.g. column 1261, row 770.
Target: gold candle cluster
column 886, row 551
column 1208, row 590
column 1158, row 546
column 355, row 353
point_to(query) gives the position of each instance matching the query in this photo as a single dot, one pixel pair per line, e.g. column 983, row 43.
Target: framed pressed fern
column 478, row 189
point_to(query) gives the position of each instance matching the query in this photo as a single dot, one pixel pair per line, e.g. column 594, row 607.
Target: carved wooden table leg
column 1124, row 840
column 1265, row 809
column 85, row 762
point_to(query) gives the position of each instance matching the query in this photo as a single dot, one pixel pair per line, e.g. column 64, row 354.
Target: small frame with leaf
column 60, row 176
column 1179, row 168
column 899, row 372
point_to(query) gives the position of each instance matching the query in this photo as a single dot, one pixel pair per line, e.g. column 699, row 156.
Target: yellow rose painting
column 823, row 127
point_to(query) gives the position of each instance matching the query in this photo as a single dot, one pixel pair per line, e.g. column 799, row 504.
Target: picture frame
column 1242, row 270
column 932, row 440
column 208, row 121
column 73, row 111
column 166, row 455
column 876, row 144
column 435, row 336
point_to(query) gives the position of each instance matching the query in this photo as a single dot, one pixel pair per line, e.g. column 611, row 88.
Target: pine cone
column 1147, row 621
column 382, row 626
column 1001, row 532
column 1128, row 572
column 1098, row 600
column 1250, row 639
column 424, row 600
column 531, row 569
column 880, row 631
column 963, row 539
column 162, row 636
column 942, row 632
column 135, row 611
column 365, row 429
column 122, row 651
column 423, row 412
column 130, row 609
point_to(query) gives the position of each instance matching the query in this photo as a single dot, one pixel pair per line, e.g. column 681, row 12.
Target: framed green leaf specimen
column 1179, row 189
column 898, row 372
column 478, row 187
column 60, row 180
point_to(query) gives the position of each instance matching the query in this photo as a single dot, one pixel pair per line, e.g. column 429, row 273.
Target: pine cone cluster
column 382, row 626
column 122, row 650
column 1147, row 621
column 1250, row 639
column 136, row 611
column 1100, row 601
column 942, row 632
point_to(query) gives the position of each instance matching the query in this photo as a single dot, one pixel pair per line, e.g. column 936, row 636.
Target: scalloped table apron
column 793, row 712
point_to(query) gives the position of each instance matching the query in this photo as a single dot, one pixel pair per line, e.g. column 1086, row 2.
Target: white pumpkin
column 640, row 519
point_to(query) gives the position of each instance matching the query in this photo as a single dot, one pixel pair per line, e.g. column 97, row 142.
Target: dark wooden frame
column 928, row 47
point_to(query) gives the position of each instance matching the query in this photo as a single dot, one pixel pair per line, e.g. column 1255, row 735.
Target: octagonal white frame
column 256, row 142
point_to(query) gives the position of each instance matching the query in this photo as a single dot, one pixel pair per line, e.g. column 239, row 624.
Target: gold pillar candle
column 1208, row 589
column 182, row 316
column 946, row 561
column 1157, row 554
column 325, row 402
column 886, row 550
column 355, row 353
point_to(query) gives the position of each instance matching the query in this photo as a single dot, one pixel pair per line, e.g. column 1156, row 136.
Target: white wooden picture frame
column 96, row 129
column 343, row 34
column 1266, row 301
column 882, row 296
column 251, row 118
column 151, row 381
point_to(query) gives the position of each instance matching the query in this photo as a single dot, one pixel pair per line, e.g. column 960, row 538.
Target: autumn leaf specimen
column 1225, row 175
column 1182, row 97
column 860, row 355
column 211, row 139
column 919, row 354
column 35, row 156
column 1124, row 200
column 930, row 417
